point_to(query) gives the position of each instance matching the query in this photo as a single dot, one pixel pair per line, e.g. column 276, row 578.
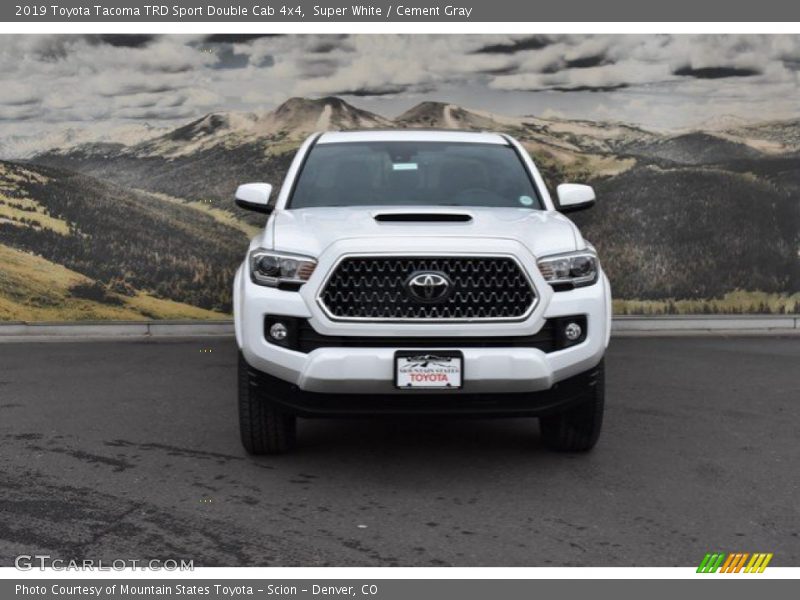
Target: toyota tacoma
column 418, row 272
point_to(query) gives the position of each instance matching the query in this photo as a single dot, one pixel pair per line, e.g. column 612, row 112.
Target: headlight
column 276, row 268
column 574, row 269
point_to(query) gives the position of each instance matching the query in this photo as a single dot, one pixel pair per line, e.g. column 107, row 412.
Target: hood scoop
column 422, row 217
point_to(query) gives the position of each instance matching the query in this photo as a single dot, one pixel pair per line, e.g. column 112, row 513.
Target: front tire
column 577, row 429
column 265, row 427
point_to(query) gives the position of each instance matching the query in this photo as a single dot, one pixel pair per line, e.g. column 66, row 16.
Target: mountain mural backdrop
column 144, row 226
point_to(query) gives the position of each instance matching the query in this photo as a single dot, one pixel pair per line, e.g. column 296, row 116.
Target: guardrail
column 114, row 329
column 706, row 325
column 662, row 325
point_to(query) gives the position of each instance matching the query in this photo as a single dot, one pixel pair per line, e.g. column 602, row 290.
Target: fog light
column 572, row 331
column 278, row 332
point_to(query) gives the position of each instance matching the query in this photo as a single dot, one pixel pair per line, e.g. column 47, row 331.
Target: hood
column 310, row 230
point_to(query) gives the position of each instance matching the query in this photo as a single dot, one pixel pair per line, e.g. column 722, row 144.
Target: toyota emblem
column 429, row 286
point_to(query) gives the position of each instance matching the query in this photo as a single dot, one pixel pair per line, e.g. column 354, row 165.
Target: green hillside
column 139, row 254
column 34, row 289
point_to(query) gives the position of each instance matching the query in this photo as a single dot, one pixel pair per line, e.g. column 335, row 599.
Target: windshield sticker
column 525, row 200
column 404, row 166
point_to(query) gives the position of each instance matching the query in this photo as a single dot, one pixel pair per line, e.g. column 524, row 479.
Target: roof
column 411, row 135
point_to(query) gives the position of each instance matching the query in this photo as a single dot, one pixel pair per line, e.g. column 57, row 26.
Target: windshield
column 414, row 173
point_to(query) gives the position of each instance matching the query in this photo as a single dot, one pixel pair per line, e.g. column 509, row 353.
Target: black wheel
column 264, row 426
column 577, row 429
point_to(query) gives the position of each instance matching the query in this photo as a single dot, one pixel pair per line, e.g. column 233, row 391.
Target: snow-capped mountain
column 27, row 145
column 280, row 129
column 723, row 123
column 290, row 122
column 562, row 134
column 301, row 116
column 441, row 115
column 298, row 117
column 774, row 137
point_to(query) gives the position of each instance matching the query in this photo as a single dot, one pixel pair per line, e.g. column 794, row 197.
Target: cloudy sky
column 666, row 81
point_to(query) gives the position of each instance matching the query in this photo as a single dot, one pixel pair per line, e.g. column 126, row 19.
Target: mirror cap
column 255, row 197
column 575, row 196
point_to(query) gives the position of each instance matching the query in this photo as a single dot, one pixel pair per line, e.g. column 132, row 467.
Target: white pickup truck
column 416, row 272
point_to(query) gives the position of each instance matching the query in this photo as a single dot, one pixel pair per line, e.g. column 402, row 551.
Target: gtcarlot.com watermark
column 29, row 562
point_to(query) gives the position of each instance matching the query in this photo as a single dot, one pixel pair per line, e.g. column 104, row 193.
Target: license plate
column 427, row 369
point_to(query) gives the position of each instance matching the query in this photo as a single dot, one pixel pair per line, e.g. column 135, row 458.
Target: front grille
column 376, row 289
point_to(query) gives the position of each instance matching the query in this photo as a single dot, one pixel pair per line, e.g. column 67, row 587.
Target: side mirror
column 574, row 196
column 255, row 197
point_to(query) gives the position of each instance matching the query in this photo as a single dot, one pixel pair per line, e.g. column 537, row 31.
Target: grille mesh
column 374, row 288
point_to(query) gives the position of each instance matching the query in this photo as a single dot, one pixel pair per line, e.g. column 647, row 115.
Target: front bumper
column 559, row 397
column 351, row 370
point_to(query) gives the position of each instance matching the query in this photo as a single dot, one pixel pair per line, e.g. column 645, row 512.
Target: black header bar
column 408, row 11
